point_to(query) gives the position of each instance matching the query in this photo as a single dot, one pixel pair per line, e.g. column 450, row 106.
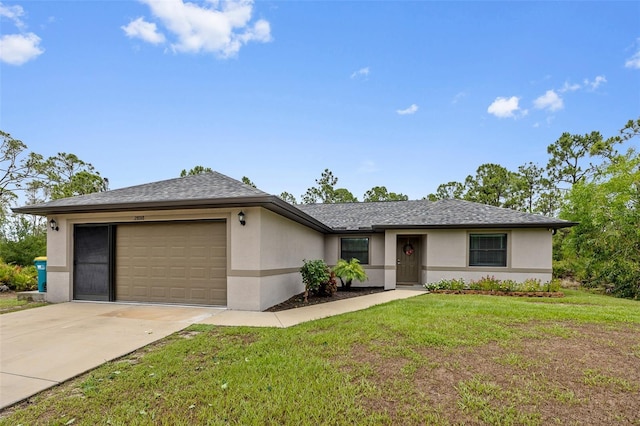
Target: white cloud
column 13, row 13
column 408, row 111
column 593, row 85
column 634, row 60
column 550, row 101
column 457, row 97
column 220, row 27
column 569, row 87
column 362, row 72
column 147, row 31
column 505, row 107
column 261, row 32
column 16, row 49
column 586, row 84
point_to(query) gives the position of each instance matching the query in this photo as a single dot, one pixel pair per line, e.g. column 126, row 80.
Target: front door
column 408, row 260
column 92, row 262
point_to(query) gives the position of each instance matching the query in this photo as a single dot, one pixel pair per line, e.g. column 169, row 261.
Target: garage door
column 172, row 263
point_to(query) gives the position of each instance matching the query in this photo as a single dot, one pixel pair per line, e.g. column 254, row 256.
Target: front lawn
column 9, row 303
column 432, row 359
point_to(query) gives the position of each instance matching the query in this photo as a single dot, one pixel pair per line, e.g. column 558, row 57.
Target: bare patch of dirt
column 188, row 334
column 297, row 301
column 8, row 295
column 587, row 376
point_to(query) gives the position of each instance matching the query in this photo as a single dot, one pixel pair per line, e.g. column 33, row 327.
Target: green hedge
column 493, row 284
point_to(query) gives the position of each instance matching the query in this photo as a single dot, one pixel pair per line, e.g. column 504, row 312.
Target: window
column 488, row 250
column 357, row 248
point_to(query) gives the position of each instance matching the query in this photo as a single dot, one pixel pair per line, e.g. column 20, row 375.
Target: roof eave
column 548, row 225
column 269, row 202
column 45, row 210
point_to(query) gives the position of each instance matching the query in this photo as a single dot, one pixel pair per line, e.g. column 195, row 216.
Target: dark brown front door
column 408, row 260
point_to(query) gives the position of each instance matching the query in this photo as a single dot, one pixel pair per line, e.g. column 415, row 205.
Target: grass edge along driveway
column 9, row 303
column 431, row 359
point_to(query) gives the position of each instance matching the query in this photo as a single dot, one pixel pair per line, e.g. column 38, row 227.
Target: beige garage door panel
column 172, row 263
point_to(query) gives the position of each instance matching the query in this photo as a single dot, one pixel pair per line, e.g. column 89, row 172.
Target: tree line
column 532, row 188
column 37, row 179
column 585, row 180
column 325, row 190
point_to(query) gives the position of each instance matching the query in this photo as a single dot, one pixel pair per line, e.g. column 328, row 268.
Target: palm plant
column 349, row 271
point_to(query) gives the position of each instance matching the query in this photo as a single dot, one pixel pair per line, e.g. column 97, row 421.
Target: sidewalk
column 42, row 347
column 296, row 316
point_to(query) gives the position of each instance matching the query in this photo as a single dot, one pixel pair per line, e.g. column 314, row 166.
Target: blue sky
column 407, row 95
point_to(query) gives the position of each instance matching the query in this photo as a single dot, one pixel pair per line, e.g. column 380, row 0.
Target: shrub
column 554, row 285
column 440, row 285
column 6, row 272
column 454, row 284
column 328, row 288
column 562, row 269
column 624, row 276
column 493, row 284
column 507, row 285
column 459, row 284
column 485, row 283
column 23, row 244
column 315, row 274
column 18, row 278
column 531, row 285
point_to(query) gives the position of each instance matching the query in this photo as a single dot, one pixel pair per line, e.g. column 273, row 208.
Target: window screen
column 488, row 250
column 357, row 248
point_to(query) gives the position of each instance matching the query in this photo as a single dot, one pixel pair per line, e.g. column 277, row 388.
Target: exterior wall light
column 53, row 225
column 241, row 218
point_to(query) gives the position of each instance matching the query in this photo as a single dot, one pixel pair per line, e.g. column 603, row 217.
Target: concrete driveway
column 42, row 347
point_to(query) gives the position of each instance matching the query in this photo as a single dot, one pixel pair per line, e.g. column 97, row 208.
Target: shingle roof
column 217, row 190
column 205, row 186
column 423, row 213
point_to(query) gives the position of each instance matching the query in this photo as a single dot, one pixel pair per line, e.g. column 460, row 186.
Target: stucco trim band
column 262, row 272
column 487, row 269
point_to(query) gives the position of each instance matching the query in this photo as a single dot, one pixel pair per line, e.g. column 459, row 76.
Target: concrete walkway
column 42, row 347
column 296, row 316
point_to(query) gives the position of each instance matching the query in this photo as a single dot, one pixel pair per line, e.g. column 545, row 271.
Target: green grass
column 595, row 378
column 378, row 366
column 13, row 304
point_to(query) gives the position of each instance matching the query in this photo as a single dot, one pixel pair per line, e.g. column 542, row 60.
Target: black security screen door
column 92, row 262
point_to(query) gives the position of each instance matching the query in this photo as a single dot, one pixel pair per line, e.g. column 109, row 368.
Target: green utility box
column 41, row 266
